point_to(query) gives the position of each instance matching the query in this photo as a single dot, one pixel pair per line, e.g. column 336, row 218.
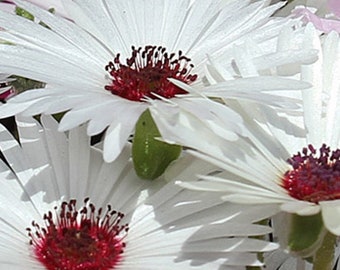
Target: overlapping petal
column 70, row 56
column 255, row 163
column 170, row 227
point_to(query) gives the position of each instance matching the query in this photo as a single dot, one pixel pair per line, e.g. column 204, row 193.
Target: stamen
column 79, row 239
column 147, row 72
column 314, row 177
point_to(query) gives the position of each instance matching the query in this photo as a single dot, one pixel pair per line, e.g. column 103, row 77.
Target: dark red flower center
column 315, row 175
column 79, row 240
column 147, row 72
column 6, row 90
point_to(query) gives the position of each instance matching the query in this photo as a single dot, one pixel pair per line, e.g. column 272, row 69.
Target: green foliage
column 305, row 234
column 23, row 13
column 150, row 156
column 21, row 84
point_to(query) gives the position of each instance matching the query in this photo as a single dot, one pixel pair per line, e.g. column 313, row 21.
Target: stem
column 324, row 256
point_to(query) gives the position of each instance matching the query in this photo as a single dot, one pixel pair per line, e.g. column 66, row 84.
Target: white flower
column 168, row 227
column 71, row 58
column 258, row 166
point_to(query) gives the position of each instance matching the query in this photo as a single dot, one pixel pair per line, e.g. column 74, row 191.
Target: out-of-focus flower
column 325, row 15
column 62, row 207
column 102, row 68
column 321, row 6
column 325, row 25
column 334, row 7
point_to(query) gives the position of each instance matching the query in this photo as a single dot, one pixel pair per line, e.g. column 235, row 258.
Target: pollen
column 147, row 73
column 315, row 175
column 84, row 239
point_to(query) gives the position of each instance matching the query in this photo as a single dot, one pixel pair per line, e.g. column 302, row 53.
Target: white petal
column 301, row 208
column 119, row 131
column 330, row 212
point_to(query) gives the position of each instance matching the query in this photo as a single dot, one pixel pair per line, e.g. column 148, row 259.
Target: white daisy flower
column 297, row 168
column 84, row 66
column 62, row 207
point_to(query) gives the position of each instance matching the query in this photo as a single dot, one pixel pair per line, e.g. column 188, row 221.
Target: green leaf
column 22, row 84
column 23, row 13
column 51, row 10
column 150, row 156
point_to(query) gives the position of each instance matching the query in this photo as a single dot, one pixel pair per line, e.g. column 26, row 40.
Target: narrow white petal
column 302, row 208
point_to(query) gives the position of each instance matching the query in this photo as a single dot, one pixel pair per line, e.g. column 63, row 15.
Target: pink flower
column 330, row 21
column 334, row 6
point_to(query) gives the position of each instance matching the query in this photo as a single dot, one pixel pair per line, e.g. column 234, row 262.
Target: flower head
column 67, row 209
column 288, row 159
column 87, row 238
column 314, row 175
column 115, row 55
